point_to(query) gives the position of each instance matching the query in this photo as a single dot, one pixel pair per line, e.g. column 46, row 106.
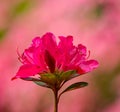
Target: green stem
column 56, row 100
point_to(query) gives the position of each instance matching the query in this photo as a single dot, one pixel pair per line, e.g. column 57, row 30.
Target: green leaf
column 43, row 84
column 36, row 81
column 75, row 86
column 66, row 75
column 30, row 79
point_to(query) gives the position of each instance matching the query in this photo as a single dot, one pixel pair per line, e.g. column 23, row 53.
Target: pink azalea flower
column 45, row 55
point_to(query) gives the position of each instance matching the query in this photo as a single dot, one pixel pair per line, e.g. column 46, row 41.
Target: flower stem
column 56, row 100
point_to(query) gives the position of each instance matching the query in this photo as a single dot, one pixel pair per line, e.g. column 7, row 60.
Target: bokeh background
column 94, row 23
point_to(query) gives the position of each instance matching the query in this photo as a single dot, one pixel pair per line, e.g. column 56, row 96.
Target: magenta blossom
column 54, row 64
column 45, row 55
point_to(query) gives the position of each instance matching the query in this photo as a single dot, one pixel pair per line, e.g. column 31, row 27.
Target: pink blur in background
column 93, row 23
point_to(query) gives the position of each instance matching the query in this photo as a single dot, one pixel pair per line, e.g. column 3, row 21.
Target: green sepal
column 73, row 76
column 48, row 78
column 75, row 86
column 67, row 75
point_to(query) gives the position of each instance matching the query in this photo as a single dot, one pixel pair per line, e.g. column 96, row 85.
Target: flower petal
column 49, row 42
column 36, row 41
column 65, row 43
column 66, row 51
column 27, row 70
column 82, row 49
column 87, row 66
